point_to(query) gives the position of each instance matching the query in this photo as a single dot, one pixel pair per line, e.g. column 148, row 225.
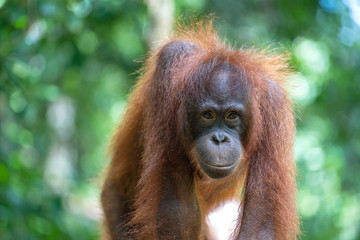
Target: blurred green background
column 66, row 67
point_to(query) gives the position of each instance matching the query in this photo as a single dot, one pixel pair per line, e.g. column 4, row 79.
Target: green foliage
column 65, row 72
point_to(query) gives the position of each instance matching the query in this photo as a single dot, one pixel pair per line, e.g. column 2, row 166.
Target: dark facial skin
column 218, row 124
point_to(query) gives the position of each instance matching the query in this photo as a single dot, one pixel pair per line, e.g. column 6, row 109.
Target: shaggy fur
column 149, row 146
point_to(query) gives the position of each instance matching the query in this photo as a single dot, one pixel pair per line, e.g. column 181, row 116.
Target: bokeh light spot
column 17, row 102
column 308, row 204
column 312, row 54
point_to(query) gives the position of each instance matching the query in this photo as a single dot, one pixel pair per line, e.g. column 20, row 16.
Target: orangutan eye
column 232, row 116
column 207, row 115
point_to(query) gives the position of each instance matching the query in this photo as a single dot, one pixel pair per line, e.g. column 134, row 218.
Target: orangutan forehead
column 226, row 82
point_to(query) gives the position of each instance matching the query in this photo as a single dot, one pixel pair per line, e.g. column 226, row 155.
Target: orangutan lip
column 219, row 166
